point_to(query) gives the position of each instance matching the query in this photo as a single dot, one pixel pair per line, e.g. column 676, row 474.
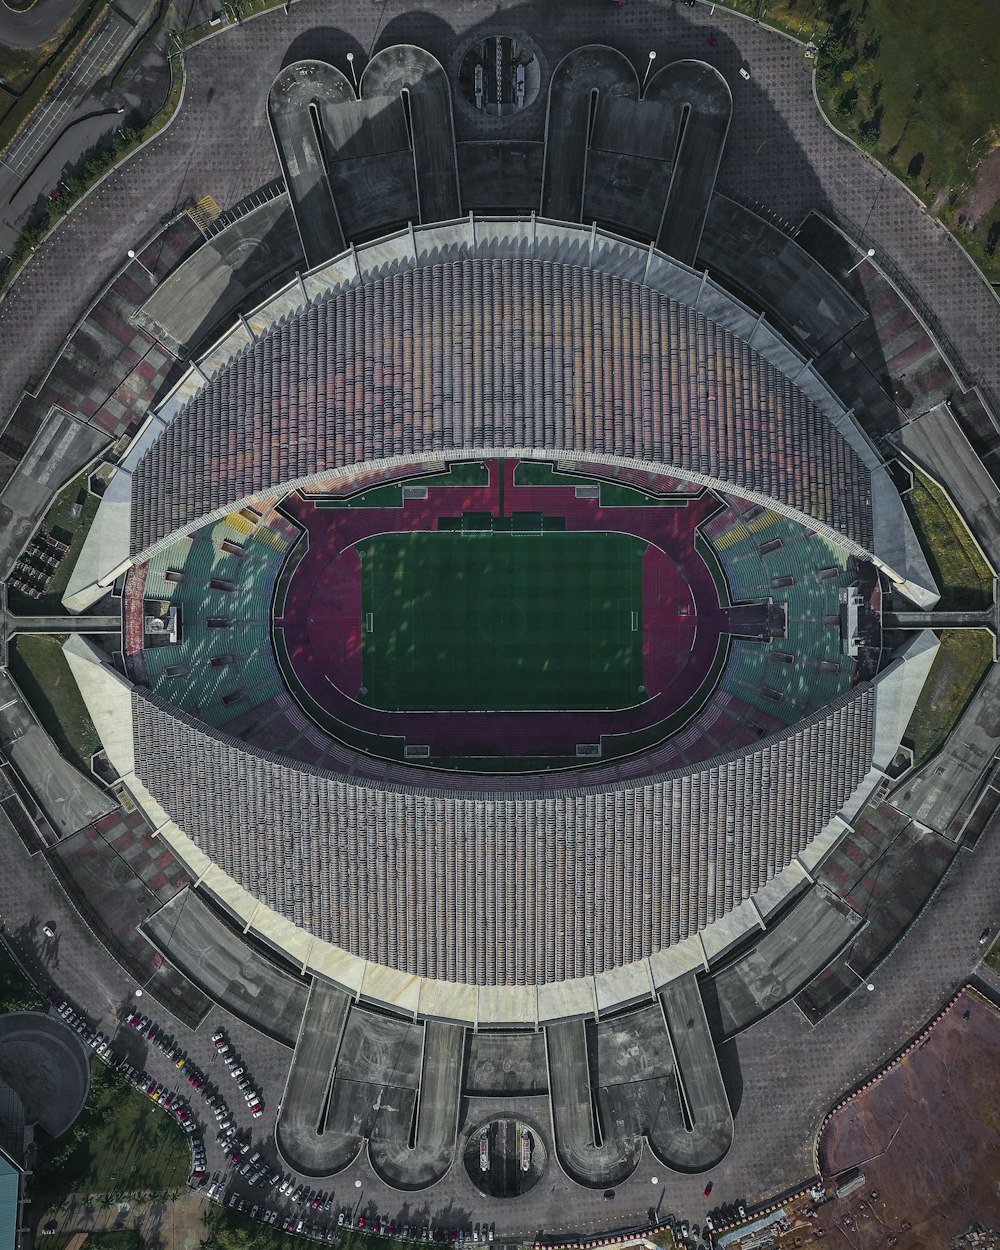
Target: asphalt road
column 32, row 27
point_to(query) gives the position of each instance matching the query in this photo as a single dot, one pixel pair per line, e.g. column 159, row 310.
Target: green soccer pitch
column 502, row 622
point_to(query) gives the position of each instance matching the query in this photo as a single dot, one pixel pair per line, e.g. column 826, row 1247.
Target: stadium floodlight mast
column 867, row 256
column 649, row 66
column 354, row 72
column 864, row 981
column 134, row 255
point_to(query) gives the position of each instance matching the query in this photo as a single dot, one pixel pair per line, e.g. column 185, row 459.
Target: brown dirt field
column 926, row 1137
column 986, row 188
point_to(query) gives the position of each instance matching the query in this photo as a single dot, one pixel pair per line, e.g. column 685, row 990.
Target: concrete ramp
column 302, row 1135
column 707, row 1132
column 699, row 105
column 585, row 82
column 415, row 1166
column 414, row 77
column 292, row 105
column 587, row 1157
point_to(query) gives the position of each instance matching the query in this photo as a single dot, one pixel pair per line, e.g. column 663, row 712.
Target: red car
column 708, row 1188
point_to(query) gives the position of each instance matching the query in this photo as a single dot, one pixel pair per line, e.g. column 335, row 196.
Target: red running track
column 321, row 620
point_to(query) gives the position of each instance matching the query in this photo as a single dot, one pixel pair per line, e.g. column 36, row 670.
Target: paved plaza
column 648, row 960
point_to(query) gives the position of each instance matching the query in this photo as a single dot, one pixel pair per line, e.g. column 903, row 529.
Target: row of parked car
column 79, row 1024
column 382, row 1226
column 237, row 1070
column 157, row 1092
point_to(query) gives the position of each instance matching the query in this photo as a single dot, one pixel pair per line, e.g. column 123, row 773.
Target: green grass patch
column 958, row 668
column 16, row 991
column 612, row 494
column 17, row 68
column 544, row 473
column 618, row 495
column 917, row 86
column 39, row 667
column 228, row 1230
column 390, row 494
column 805, row 19
column 962, row 574
column 493, row 621
column 69, row 519
column 100, row 1239
column 122, row 1144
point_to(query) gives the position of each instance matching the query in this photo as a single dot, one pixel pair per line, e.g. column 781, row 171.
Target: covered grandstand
column 508, row 889
column 582, row 354
column 501, row 352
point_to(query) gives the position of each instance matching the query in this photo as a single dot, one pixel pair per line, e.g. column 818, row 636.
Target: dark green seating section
column 216, row 693
column 786, row 678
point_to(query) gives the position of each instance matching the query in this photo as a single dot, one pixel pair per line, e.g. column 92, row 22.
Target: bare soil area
column 926, row 1138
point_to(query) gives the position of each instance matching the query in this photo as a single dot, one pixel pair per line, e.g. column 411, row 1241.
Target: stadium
column 520, row 617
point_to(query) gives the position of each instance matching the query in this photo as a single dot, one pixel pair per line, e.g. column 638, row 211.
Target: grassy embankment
column 962, row 574
column 228, row 1230
column 966, row 582
column 41, row 671
column 122, row 1145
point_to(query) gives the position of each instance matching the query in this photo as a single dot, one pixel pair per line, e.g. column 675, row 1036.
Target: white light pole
column 133, row 255
column 649, row 66
column 867, row 984
column 354, row 73
column 867, row 256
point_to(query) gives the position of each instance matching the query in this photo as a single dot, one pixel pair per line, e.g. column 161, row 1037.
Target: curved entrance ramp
column 707, row 1132
column 583, row 1154
column 414, row 1166
column 296, row 95
column 696, row 108
column 302, row 1132
column 358, row 1075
